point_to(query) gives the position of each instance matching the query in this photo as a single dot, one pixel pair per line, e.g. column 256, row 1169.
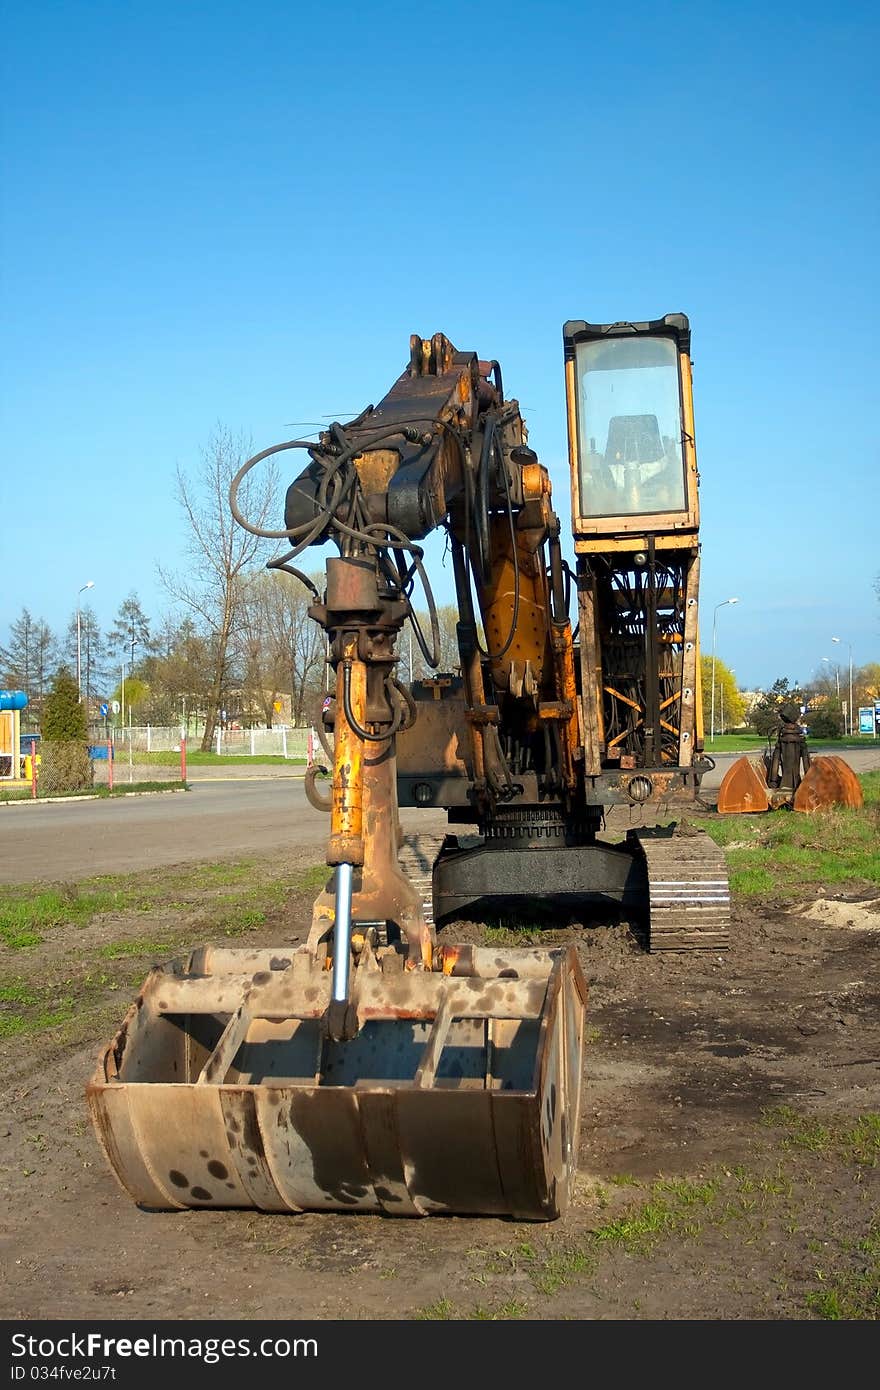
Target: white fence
column 147, row 738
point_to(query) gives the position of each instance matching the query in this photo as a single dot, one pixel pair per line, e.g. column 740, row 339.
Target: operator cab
column 628, row 418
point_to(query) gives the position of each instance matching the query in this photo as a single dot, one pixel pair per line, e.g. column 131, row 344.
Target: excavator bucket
column 828, row 782
column 743, row 789
column 459, row 1093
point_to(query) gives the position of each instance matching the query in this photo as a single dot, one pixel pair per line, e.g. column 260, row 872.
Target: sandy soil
column 721, row 1100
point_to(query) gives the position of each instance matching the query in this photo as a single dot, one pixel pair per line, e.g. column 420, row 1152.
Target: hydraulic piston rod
column 342, row 935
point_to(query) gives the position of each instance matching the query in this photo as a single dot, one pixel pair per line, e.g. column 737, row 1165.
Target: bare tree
column 279, row 649
column 447, row 619
column 221, row 551
column 180, row 675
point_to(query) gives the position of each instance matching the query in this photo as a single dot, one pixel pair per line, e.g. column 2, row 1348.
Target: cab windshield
column 630, row 457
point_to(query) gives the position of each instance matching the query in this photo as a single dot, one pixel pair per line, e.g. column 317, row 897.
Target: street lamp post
column 849, row 708
column 836, row 676
column 722, row 604
column 89, row 585
column 132, row 643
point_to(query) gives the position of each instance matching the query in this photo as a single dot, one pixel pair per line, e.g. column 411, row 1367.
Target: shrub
column 65, row 765
column 64, row 718
column 826, row 722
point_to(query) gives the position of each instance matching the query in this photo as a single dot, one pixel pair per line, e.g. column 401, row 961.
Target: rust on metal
column 346, row 808
column 829, row 782
column 458, row 1094
column 743, row 789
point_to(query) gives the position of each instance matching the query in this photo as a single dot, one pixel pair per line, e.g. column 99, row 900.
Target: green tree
column 130, row 634
column 26, row 662
column 866, row 683
column 64, row 718
column 135, row 693
column 826, row 721
column 765, row 714
column 64, row 754
column 730, row 705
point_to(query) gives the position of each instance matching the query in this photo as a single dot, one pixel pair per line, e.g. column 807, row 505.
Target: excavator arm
column 443, row 448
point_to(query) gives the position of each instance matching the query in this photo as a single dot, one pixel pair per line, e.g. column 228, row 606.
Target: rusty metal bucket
column 460, row 1093
column 743, row 788
column 829, row 782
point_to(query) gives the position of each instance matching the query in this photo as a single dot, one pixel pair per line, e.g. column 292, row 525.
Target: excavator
column 382, row 1066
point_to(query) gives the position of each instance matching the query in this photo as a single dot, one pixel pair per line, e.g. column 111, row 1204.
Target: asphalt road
column 219, row 818
column 58, row 840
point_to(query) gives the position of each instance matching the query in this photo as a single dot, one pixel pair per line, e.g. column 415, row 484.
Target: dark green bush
column 65, row 765
column 64, row 718
column 826, row 722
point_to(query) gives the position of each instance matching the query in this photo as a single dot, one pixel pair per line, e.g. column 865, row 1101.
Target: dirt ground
column 728, row 1159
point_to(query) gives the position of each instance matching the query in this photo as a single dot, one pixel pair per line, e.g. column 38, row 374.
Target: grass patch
column 139, row 948
column 557, row 1270
column 79, row 992
column 28, row 1008
column 196, row 758
column 235, row 898
column 441, row 1311
column 735, row 743
column 312, row 880
column 784, row 852
column 132, row 788
column 751, row 881
column 752, row 1205
column 755, row 742
column 870, row 787
column 506, row 1312
column 99, row 791
column 852, row 1294
column 24, row 919
column 854, row 1142
column 503, row 936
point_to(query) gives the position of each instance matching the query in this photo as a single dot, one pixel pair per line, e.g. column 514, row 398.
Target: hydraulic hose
column 313, row 796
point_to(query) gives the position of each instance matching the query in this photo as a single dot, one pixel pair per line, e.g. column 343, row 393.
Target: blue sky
column 233, row 213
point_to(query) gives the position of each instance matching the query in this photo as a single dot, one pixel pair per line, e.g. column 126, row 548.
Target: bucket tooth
column 743, row 789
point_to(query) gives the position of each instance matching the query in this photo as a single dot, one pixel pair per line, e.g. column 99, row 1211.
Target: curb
column 89, row 796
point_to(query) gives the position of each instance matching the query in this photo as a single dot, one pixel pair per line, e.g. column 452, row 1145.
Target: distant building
column 751, row 698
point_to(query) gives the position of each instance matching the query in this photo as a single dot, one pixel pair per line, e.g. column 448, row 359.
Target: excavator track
column 417, row 856
column 688, row 889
